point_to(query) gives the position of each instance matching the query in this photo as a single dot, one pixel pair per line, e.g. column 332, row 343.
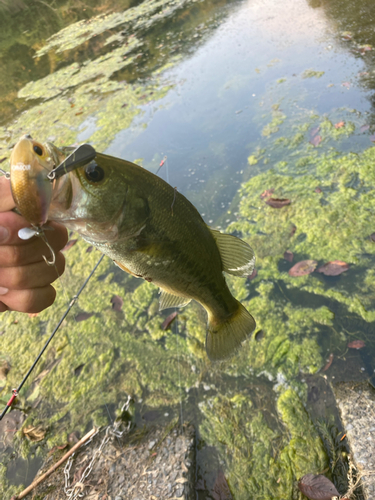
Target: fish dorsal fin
column 170, row 300
column 237, row 256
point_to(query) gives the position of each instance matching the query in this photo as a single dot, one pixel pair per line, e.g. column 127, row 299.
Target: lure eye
column 94, row 173
column 38, row 150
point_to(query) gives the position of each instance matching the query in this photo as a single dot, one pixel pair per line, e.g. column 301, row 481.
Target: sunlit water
column 206, row 81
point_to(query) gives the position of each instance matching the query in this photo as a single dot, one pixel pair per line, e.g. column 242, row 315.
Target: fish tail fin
column 224, row 337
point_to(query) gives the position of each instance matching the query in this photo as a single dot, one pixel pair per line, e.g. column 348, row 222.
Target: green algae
column 311, row 73
column 263, row 461
column 140, row 16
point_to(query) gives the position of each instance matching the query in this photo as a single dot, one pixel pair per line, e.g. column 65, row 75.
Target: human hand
column 25, row 279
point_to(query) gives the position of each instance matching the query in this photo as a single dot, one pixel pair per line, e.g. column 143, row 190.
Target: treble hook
column 51, row 262
column 28, row 232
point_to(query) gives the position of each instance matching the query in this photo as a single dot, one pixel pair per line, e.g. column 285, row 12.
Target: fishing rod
column 15, row 392
column 79, row 157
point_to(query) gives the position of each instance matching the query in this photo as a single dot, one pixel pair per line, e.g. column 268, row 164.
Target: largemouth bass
column 148, row 229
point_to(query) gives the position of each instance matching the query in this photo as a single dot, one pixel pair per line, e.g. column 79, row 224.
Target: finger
column 13, row 222
column 28, row 301
column 31, row 276
column 31, row 251
column 6, row 198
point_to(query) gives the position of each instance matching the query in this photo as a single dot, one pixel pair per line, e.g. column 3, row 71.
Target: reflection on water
column 242, row 97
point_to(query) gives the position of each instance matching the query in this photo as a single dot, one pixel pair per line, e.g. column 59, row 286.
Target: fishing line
column 15, row 392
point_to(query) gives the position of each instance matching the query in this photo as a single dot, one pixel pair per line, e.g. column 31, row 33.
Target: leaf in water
column 78, row 370
column 356, row 344
column 288, row 256
column 267, row 193
column 314, row 131
column 221, row 490
column 372, row 138
column 83, row 316
column 317, row 487
column 117, row 303
column 364, row 128
column 316, row 140
column 34, row 433
column 333, row 268
column 303, row 267
column 168, row 320
column 278, row 202
column 346, row 84
column 69, row 245
column 4, row 369
column 329, row 362
column 339, row 125
column 252, row 275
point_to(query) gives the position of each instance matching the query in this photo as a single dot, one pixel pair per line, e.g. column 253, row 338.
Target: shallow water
column 233, row 94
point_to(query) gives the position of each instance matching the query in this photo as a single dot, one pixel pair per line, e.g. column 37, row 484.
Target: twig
column 55, row 466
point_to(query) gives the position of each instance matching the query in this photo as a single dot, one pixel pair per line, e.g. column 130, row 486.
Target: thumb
column 6, row 198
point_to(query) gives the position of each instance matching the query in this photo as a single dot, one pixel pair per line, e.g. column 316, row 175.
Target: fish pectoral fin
column 121, row 266
column 237, row 256
column 168, row 300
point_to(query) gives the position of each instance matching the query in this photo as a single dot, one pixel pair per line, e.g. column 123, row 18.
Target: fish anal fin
column 224, row 337
column 168, row 300
column 237, row 256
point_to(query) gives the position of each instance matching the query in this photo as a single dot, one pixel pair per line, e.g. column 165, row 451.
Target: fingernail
column 3, row 290
column 4, row 234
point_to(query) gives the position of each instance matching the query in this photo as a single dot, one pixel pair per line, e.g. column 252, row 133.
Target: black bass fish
column 148, row 229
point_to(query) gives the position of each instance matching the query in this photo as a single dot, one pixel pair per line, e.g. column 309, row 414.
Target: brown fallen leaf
column 333, row 268
column 293, row 229
column 288, row 256
column 69, row 245
column 117, row 303
column 316, row 140
column 339, row 125
column 168, row 320
column 317, row 487
column 4, row 369
column 302, row 268
column 89, row 249
column 318, row 190
column 314, row 131
column 82, row 316
column 252, row 275
column 277, row 202
column 329, row 362
column 356, row 344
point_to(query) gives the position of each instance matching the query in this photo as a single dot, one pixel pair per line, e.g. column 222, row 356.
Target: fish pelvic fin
column 237, row 256
column 168, row 300
column 224, row 338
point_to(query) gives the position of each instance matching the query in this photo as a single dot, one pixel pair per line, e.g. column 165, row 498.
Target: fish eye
column 38, row 150
column 94, row 173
